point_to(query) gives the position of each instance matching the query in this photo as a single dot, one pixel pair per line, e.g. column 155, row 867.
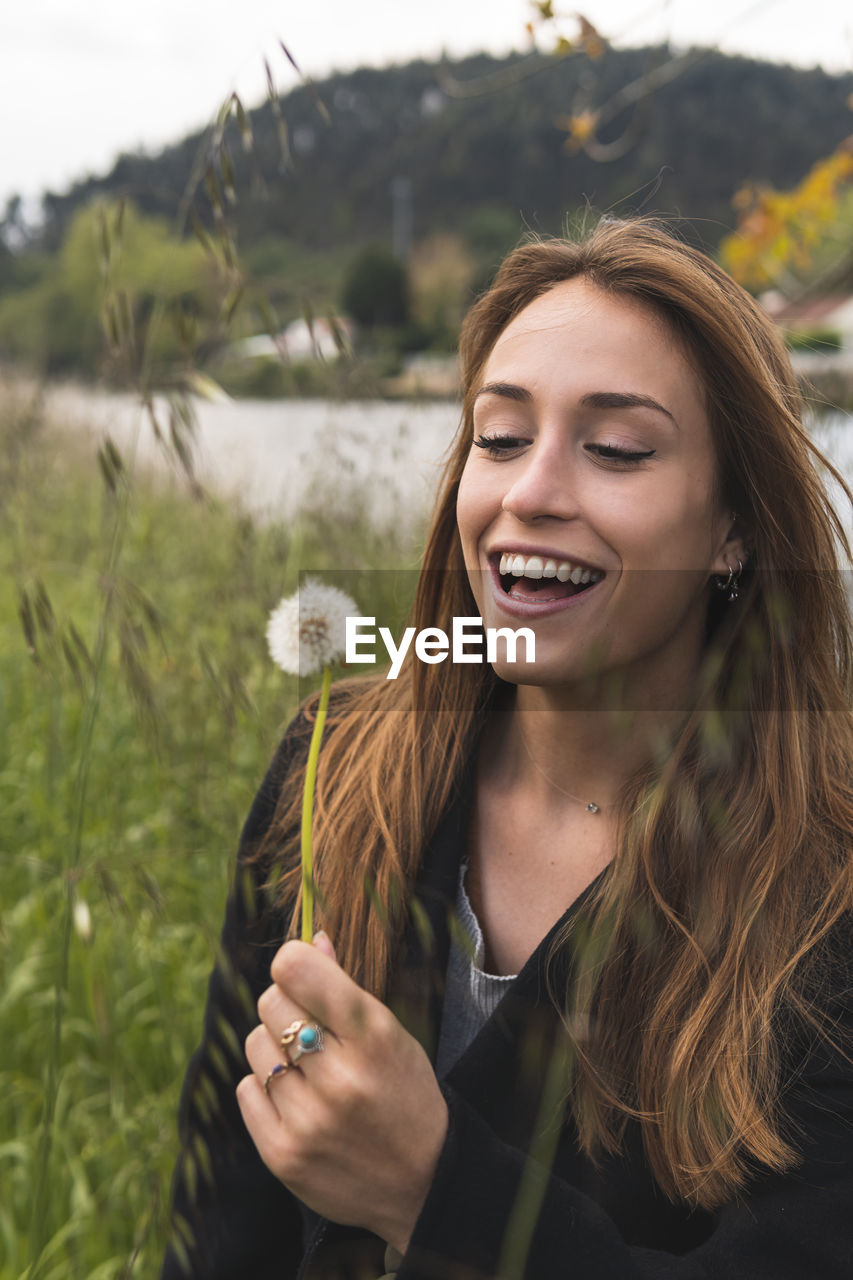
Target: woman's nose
column 545, row 486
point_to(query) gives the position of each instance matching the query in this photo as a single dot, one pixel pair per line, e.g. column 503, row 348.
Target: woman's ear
column 735, row 546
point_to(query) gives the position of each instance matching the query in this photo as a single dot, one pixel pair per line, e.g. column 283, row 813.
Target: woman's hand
column 355, row 1131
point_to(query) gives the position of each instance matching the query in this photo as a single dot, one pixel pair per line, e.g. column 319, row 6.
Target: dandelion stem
column 308, row 810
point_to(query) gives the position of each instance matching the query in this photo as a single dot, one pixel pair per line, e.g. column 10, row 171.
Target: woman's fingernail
column 322, row 940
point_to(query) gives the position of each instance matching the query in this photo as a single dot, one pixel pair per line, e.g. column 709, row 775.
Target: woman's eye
column 497, row 445
column 610, row 453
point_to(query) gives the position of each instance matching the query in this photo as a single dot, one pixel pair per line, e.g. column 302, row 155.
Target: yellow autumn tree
column 778, row 231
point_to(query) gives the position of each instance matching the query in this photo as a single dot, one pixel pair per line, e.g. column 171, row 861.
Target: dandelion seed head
column 307, row 631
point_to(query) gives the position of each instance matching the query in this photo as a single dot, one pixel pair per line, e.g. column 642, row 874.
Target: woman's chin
column 540, row 673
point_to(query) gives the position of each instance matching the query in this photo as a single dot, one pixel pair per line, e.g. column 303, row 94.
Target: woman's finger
column 262, row 1111
column 277, row 1011
column 313, row 980
column 290, row 1027
column 268, row 1068
column 271, row 1069
column 262, row 1053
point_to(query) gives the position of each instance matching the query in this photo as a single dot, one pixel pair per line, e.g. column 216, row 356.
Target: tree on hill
column 723, row 122
column 376, row 291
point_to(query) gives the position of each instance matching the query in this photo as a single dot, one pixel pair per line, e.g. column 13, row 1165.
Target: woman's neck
column 553, row 745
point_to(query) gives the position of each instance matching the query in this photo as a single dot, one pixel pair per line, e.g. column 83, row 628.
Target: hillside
column 724, row 121
column 109, row 289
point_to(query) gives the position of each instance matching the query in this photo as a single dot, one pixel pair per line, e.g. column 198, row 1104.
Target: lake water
column 275, row 457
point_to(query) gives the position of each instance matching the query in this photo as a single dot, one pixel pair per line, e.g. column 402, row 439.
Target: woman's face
column 588, row 509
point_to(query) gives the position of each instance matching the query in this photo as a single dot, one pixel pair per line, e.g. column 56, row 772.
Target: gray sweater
column 471, row 995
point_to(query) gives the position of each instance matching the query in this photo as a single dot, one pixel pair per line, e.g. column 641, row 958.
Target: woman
column 581, row 1002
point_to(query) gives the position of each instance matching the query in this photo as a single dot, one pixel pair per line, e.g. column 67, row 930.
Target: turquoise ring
column 299, row 1038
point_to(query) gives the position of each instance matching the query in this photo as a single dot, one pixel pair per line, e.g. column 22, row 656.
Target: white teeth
column 519, row 566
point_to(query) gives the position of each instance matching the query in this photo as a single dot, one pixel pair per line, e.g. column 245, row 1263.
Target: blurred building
column 300, row 340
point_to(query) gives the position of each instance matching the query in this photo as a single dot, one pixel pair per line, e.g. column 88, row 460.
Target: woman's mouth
column 535, row 579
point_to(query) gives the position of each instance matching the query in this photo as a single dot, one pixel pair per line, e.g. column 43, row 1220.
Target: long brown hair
column 733, row 858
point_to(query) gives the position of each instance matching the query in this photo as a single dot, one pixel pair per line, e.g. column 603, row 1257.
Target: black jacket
column 493, row 1210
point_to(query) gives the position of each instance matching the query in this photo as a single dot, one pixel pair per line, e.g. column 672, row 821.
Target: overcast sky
column 82, row 80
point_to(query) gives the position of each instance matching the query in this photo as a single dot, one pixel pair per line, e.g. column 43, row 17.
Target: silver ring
column 299, row 1038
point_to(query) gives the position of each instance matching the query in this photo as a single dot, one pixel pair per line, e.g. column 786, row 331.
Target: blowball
column 307, row 631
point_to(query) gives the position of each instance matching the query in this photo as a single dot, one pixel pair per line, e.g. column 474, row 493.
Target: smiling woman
column 581, row 1006
column 593, row 448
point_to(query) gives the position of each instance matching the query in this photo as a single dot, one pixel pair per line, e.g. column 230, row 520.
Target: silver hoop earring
column 731, row 583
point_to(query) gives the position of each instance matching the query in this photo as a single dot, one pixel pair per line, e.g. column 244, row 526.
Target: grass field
column 138, row 713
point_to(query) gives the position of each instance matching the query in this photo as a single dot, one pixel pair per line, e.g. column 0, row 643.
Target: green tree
column 376, row 290
column 56, row 322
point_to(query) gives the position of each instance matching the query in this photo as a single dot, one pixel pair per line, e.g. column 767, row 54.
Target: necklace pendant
column 592, row 807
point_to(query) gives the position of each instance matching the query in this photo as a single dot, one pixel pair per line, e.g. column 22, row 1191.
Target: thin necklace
column 589, row 805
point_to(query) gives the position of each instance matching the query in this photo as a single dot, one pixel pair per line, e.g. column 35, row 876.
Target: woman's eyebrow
column 624, row 400
column 593, row 400
column 509, row 390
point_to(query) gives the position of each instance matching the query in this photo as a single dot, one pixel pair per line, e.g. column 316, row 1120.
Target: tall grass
column 138, row 712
